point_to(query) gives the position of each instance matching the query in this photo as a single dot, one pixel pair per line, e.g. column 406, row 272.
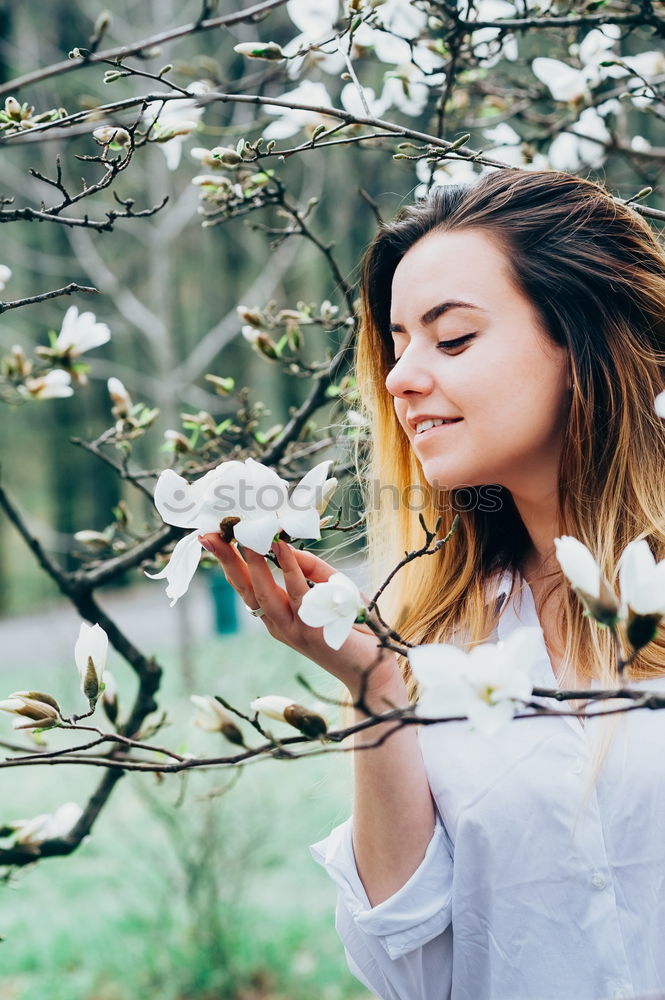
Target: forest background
column 203, row 888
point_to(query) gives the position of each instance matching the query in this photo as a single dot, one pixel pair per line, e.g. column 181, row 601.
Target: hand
column 250, row 575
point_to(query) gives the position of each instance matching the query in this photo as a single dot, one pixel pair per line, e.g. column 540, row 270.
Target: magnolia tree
column 442, row 92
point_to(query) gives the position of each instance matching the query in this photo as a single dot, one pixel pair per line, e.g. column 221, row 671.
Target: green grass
column 188, row 889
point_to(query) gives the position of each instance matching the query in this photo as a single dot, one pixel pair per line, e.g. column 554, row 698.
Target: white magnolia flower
column 402, row 18
column 90, row 653
column 5, row 275
column 292, row 120
column 55, row 384
column 248, row 491
column 565, row 82
column 486, row 685
column 570, row 152
column 659, row 404
column 583, row 572
column 333, row 606
column 352, row 102
column 48, row 826
column 265, row 508
column 484, row 41
column 507, row 147
column 647, row 64
column 406, row 89
column 641, row 580
column 578, row 565
column 640, row 144
column 176, row 120
column 80, row 332
column 314, row 18
column 453, row 171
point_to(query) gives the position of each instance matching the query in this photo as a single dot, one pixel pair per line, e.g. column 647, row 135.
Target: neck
column 539, row 514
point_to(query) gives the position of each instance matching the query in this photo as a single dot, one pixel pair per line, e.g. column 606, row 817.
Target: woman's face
column 505, row 384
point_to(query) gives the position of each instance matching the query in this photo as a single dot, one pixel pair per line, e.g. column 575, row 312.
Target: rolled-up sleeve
column 402, row 947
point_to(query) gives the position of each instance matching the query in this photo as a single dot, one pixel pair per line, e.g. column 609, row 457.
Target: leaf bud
column 224, row 386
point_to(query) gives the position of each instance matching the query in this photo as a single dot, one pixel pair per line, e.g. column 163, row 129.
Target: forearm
column 393, row 809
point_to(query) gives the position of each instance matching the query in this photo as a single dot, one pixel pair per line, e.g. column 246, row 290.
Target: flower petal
column 338, row 631
column 257, row 533
column 301, row 523
column 181, row 567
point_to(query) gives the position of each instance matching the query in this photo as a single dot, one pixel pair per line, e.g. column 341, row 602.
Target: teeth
column 425, row 425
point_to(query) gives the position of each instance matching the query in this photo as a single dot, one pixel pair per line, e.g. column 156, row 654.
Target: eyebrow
column 437, row 311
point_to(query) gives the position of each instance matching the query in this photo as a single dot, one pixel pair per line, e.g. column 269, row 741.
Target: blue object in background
column 224, row 601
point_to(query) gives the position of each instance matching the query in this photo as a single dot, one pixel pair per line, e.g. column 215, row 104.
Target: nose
column 409, row 375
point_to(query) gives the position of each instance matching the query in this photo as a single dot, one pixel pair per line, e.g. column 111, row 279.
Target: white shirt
column 525, row 892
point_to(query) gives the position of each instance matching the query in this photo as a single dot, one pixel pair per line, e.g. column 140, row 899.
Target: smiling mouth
column 430, row 426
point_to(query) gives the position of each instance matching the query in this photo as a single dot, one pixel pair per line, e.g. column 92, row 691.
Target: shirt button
column 598, row 881
column 577, row 766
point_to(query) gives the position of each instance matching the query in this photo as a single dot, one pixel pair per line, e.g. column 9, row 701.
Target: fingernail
column 207, row 544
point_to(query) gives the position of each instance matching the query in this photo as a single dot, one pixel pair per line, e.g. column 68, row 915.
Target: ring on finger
column 256, row 612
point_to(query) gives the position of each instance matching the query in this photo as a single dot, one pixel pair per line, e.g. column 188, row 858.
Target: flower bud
column 641, row 629
column 213, row 718
column 102, row 24
column 177, row 441
column 110, row 697
column 251, row 316
column 122, row 401
column 92, row 539
column 259, row 50
column 12, row 108
column 266, row 346
column 111, row 135
column 90, row 681
column 309, row 723
column 226, row 155
column 278, row 707
column 42, row 711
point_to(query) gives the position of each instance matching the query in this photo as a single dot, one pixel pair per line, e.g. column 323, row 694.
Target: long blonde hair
column 595, row 273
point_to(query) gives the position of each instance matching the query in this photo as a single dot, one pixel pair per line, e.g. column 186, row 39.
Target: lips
column 421, row 437
column 421, row 418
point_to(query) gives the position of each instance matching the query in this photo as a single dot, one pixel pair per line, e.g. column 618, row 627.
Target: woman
column 512, row 344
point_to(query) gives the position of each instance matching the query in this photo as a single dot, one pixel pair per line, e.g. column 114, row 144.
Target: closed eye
column 444, row 345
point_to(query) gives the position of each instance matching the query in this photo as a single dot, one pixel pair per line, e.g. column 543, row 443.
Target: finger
column 268, row 593
column 318, row 571
column 311, row 566
column 294, row 578
column 234, row 566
